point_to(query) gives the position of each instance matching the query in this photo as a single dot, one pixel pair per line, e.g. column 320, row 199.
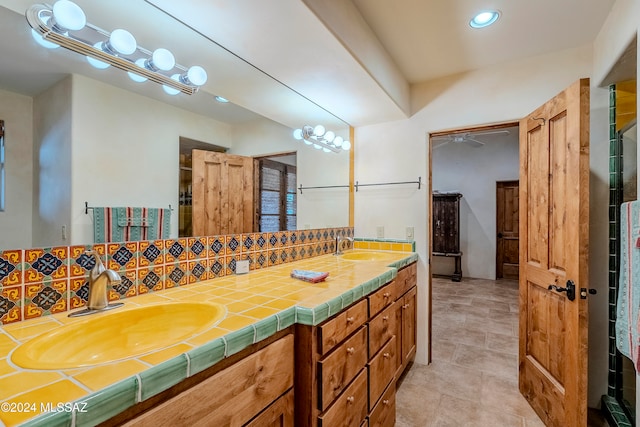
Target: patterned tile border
column 37, row 282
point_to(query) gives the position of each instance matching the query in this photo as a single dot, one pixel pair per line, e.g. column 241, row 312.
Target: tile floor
column 472, row 381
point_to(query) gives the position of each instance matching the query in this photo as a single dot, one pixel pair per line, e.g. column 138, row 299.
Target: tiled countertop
column 258, row 304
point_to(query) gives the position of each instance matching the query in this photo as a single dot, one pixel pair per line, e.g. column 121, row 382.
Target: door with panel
column 222, row 193
column 507, row 228
column 554, row 244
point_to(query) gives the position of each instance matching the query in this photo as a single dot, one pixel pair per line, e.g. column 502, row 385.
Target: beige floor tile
column 463, row 413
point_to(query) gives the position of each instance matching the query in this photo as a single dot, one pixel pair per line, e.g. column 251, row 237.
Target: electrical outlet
column 409, row 233
column 380, row 232
column 307, row 226
column 64, row 232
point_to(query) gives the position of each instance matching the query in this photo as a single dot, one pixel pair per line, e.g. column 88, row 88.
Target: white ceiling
column 306, row 61
column 430, row 39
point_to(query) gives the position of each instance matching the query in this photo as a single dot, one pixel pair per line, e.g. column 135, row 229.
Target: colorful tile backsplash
column 41, row 281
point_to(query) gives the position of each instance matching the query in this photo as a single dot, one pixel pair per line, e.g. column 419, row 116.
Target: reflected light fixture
column 484, row 19
column 65, row 24
column 319, row 138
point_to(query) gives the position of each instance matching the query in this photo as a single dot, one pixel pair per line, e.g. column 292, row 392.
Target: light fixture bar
column 322, row 144
column 75, row 45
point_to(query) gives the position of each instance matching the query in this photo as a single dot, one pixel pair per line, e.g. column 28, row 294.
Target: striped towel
column 628, row 306
column 126, row 224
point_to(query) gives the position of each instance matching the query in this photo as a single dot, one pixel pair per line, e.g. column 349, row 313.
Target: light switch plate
column 409, row 233
column 380, row 232
column 242, row 266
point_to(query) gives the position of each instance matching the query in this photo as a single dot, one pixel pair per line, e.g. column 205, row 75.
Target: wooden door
column 507, row 227
column 554, row 243
column 222, row 193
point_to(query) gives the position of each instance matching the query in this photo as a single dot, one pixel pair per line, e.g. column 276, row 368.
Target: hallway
column 472, row 381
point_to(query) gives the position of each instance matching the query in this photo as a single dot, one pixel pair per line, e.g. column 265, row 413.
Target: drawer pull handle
column 405, row 306
column 351, row 350
column 350, row 319
column 386, row 295
column 386, row 402
column 386, row 355
column 350, row 399
column 385, row 318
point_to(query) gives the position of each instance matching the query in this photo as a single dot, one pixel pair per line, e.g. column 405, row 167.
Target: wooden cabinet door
column 408, row 326
column 222, row 193
column 554, row 249
column 279, row 414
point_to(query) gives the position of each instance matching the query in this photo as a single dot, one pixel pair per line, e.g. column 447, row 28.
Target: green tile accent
column 51, row 419
column 240, row 339
column 266, row 327
column 320, row 313
column 357, row 292
column 160, row 377
column 205, row 356
column 286, row 318
column 335, row 305
column 108, row 402
column 304, row 316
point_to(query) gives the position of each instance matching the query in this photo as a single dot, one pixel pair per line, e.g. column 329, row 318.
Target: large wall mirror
column 75, row 134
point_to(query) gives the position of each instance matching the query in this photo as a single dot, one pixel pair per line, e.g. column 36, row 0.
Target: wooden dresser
column 446, row 229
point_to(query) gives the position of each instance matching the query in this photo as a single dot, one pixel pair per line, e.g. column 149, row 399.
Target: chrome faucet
column 100, row 278
column 339, row 240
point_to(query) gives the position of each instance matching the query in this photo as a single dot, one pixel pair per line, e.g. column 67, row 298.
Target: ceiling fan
column 468, row 138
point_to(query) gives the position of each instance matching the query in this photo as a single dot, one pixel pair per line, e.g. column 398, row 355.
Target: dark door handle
column 570, row 290
column 499, row 235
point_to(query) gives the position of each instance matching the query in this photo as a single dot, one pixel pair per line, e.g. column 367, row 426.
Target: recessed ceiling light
column 221, row 99
column 484, row 19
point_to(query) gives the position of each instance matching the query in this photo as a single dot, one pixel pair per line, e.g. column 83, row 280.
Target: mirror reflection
column 75, row 134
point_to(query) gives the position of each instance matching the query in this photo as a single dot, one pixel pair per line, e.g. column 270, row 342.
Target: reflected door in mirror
column 222, row 193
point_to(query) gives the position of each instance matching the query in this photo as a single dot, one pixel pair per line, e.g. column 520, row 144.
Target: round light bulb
column 68, row 16
column 221, row 99
column 41, row 40
column 319, row 130
column 169, row 90
column 317, row 146
column 122, row 42
column 346, row 145
column 161, row 59
column 326, row 150
column 96, row 63
column 484, row 19
column 329, row 136
column 297, row 134
column 338, row 141
column 137, row 77
column 196, row 76
column 307, row 142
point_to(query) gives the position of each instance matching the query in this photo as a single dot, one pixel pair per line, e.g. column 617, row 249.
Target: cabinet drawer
column 384, row 413
column 233, row 396
column 381, row 328
column 381, row 298
column 333, row 331
column 406, row 279
column 350, row 408
column 382, row 369
column 338, row 368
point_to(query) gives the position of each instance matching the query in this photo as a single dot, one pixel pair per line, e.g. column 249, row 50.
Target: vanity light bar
column 34, row 19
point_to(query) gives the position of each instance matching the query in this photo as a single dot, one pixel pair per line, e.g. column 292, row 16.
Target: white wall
column 474, row 171
column 397, row 151
column 52, row 174
column 126, row 151
column 15, row 222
